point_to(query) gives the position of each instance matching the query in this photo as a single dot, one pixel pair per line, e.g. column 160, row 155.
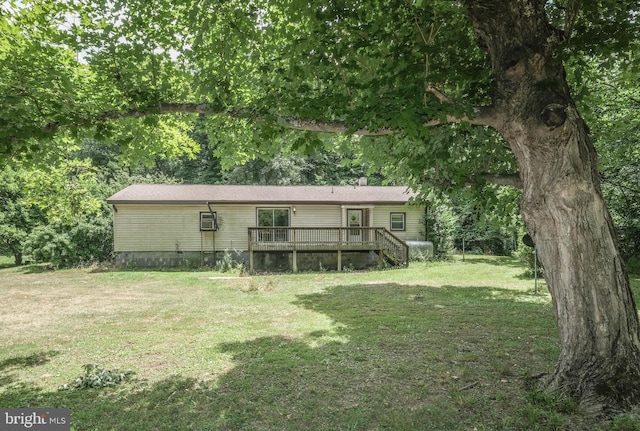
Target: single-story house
column 264, row 227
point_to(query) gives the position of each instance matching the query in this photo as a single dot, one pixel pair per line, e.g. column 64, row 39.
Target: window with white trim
column 274, row 218
column 398, row 221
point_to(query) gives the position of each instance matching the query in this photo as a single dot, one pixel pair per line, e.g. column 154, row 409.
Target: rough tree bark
column 562, row 205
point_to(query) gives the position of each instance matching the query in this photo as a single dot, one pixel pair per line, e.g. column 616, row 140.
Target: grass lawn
column 440, row 346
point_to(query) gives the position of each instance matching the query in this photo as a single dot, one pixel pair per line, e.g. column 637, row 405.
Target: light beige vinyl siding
column 152, row 227
column 175, row 227
column 415, row 224
column 414, row 229
column 316, row 216
column 233, row 221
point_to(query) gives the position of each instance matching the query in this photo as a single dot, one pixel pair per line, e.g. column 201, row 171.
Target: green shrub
column 92, row 240
column 97, row 377
column 64, row 246
column 440, row 225
column 624, row 423
column 419, row 254
column 46, row 244
column 226, row 263
column 526, row 255
column 633, row 264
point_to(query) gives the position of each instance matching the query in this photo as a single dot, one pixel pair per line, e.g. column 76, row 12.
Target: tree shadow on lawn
column 33, row 360
column 34, row 268
column 17, row 362
column 398, row 357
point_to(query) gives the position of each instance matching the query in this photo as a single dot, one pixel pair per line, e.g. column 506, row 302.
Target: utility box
column 423, row 248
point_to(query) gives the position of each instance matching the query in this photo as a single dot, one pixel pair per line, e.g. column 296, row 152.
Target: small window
column 398, row 221
column 208, row 221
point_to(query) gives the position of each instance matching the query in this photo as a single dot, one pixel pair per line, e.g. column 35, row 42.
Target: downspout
column 213, row 232
column 113, row 231
column 426, row 222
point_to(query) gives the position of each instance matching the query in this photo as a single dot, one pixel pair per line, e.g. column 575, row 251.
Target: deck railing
column 393, row 248
column 329, row 239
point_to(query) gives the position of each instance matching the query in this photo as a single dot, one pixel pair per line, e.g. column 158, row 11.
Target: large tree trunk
column 562, row 206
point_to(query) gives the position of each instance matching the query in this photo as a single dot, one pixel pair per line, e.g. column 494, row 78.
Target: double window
column 268, row 217
column 398, row 221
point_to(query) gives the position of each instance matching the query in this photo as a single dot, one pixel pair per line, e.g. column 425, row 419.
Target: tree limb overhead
column 512, row 180
column 484, row 117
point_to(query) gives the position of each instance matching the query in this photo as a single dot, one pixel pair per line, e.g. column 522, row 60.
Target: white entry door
column 354, row 221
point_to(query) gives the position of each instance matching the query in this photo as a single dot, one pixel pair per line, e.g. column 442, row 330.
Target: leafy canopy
column 261, row 67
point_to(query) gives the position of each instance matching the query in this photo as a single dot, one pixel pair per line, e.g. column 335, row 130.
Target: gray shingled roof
column 200, row 194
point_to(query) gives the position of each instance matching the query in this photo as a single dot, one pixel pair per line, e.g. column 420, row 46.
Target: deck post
column 295, row 252
column 380, row 242
column 295, row 261
column 250, row 253
column 339, row 249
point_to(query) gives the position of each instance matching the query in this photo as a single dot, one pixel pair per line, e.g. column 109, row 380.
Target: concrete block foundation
column 262, row 261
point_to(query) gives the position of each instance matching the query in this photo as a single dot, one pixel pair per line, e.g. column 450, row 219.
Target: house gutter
column 255, row 202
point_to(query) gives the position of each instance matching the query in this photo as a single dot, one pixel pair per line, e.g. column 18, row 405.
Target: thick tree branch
column 484, row 117
column 330, row 127
column 302, row 124
column 572, row 13
column 209, row 109
column 439, row 94
column 512, row 180
column 508, row 179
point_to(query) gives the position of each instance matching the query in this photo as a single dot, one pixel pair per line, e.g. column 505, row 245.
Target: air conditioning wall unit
column 208, row 221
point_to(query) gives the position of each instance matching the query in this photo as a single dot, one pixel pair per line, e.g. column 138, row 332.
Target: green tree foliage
column 17, row 216
column 259, row 64
column 55, row 215
column 315, row 61
column 78, row 242
column 611, row 102
column 489, row 226
column 269, row 61
column 323, row 167
column 63, row 192
column 477, row 91
column 58, row 213
column 440, row 222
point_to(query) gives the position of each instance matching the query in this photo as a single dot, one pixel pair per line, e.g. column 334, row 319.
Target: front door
column 354, row 222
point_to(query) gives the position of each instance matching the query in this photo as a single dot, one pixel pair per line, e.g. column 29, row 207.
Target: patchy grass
column 6, row 262
column 442, row 346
